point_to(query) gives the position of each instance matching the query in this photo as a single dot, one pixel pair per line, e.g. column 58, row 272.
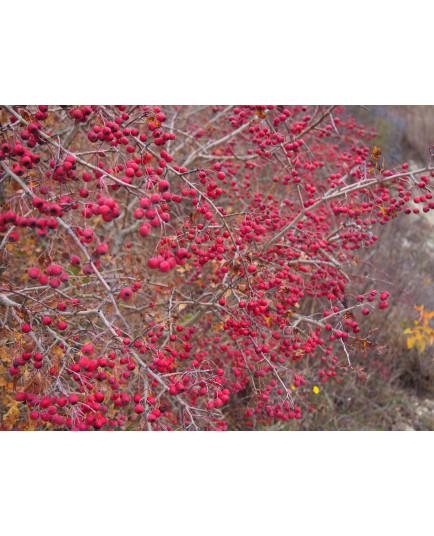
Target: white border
column 249, row 483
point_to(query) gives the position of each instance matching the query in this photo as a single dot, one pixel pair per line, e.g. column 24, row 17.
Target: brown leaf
column 11, row 417
column 376, row 153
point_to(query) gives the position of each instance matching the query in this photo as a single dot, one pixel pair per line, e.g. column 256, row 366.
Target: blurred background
column 399, row 393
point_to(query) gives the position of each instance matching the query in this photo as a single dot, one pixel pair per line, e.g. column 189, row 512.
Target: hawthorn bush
column 185, row 267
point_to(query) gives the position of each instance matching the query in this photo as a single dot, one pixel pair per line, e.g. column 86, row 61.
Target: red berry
column 62, row 401
column 145, row 229
column 139, row 408
column 126, row 293
column 164, row 266
column 163, row 186
column 34, row 273
column 154, row 262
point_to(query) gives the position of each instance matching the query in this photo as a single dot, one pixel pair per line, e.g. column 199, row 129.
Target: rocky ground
column 418, row 415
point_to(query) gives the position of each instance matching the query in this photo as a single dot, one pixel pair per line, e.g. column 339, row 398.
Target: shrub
column 186, row 267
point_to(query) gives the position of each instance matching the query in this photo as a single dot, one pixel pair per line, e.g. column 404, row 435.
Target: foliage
column 422, row 334
column 186, row 267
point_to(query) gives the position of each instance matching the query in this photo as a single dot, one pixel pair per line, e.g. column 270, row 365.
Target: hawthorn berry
column 126, row 293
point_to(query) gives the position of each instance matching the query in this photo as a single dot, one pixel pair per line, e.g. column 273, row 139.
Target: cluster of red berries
column 54, row 275
column 168, row 260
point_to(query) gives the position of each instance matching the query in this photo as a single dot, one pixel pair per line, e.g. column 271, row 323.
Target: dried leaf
column 376, row 153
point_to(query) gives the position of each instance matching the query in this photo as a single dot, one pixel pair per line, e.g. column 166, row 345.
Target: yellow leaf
column 13, row 412
column 410, row 342
column 421, row 344
column 422, row 334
